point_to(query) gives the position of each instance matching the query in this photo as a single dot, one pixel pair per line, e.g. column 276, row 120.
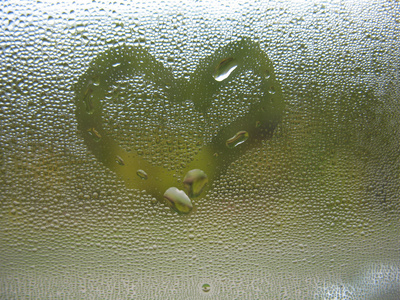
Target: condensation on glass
column 200, row 150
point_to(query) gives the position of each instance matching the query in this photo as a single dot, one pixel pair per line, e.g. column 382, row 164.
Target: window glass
column 199, row 149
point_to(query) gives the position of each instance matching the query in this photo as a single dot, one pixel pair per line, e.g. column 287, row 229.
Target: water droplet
column 225, row 68
column 142, row 174
column 258, row 124
column 116, row 65
column 178, row 200
column 238, row 139
column 271, row 90
column 87, row 98
column 96, row 80
column 94, row 134
column 195, row 181
column 206, row 287
column 119, row 160
column 267, row 74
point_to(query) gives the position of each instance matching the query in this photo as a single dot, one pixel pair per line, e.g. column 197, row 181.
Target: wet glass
column 200, row 150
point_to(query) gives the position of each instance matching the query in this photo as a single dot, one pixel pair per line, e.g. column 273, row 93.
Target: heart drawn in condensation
column 213, row 73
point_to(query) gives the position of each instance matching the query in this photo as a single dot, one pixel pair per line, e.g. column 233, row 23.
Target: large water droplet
column 225, row 68
column 96, row 80
column 142, row 174
column 272, row 90
column 195, row 181
column 87, row 98
column 94, row 134
column 119, row 160
column 238, row 139
column 178, row 200
column 206, row 287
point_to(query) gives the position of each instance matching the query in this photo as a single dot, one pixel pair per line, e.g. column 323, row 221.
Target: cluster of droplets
column 141, row 117
column 233, row 100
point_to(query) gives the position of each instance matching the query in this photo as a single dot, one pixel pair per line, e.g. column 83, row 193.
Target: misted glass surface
column 200, row 150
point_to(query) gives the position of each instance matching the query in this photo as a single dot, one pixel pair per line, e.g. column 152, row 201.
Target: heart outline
column 260, row 121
